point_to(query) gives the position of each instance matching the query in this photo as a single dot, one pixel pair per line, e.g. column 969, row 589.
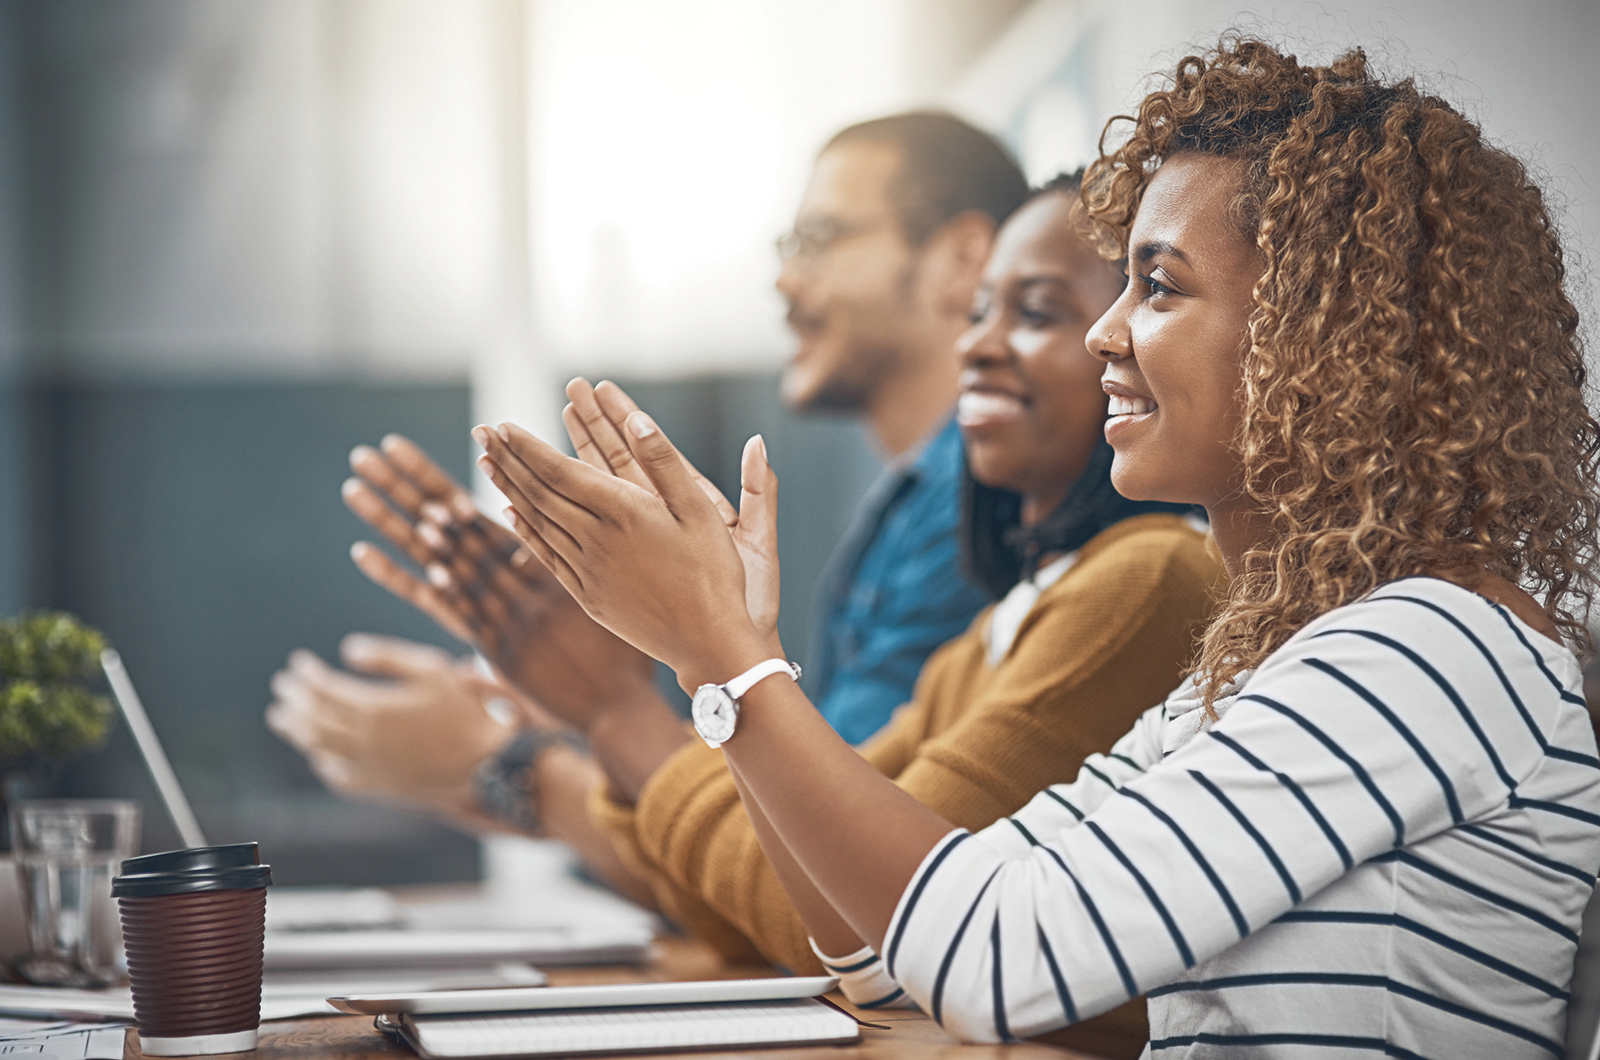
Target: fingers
column 618, row 406
column 403, row 477
column 409, row 457
column 386, row 479
column 304, row 714
column 370, row 507
column 665, row 466
column 758, row 494
column 486, row 613
column 467, row 553
column 614, row 401
column 583, row 446
column 541, row 549
column 419, row 594
column 758, row 483
column 350, row 692
column 554, row 493
column 496, row 539
column 391, row 656
column 757, row 533
column 604, row 446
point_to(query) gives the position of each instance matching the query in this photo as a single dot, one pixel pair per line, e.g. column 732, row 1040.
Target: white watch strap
column 761, row 670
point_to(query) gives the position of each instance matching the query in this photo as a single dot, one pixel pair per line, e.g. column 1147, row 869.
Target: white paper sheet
column 283, row 995
column 78, row 1043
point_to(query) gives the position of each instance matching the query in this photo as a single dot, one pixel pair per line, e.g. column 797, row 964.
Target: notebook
column 624, row 1018
column 563, row 945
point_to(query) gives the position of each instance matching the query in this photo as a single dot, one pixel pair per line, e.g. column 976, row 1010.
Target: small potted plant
column 49, row 667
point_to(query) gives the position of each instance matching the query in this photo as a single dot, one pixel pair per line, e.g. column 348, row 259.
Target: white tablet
column 527, row 999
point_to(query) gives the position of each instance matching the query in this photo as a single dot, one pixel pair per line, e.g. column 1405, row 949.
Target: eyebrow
column 1146, row 251
column 1042, row 280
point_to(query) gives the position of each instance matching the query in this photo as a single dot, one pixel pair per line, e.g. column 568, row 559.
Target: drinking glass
column 67, row 850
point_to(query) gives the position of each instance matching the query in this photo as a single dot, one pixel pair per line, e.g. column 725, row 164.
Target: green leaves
column 47, row 710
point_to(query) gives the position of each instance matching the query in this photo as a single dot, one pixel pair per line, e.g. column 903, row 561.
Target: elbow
column 977, row 1015
column 972, row 1025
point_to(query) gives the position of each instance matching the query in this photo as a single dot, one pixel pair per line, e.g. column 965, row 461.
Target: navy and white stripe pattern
column 1383, row 847
column 863, row 979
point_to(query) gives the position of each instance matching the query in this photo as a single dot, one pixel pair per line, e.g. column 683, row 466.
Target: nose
column 1110, row 338
column 793, row 274
column 984, row 341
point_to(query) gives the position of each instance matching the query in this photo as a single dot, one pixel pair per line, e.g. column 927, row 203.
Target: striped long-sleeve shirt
column 1383, row 846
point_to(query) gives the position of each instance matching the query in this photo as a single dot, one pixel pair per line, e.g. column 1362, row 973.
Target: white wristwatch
column 716, row 707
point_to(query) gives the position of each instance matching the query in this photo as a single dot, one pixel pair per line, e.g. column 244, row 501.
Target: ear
column 953, row 259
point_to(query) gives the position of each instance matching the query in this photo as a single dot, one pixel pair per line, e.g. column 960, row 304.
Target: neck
column 1035, row 506
column 1236, row 532
column 908, row 404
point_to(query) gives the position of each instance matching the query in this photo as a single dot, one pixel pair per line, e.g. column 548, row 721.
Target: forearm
column 823, row 923
column 565, row 780
column 631, row 737
column 855, row 835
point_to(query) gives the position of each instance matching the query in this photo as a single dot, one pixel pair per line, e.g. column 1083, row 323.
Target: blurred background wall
column 239, row 236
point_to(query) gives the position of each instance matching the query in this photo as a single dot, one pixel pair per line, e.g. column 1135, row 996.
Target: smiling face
column 850, row 296
column 1173, row 343
column 1031, row 408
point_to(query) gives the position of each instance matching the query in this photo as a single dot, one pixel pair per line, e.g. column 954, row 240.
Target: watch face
column 715, row 714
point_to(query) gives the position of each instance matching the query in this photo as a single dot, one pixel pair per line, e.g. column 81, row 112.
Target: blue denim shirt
column 893, row 591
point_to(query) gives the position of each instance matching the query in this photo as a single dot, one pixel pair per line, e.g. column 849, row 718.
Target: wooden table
column 897, row 1035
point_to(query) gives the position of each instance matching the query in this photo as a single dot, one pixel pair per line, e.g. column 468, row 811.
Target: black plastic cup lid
column 195, row 859
column 234, row 867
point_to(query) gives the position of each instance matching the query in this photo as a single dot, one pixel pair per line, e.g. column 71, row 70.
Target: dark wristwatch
column 505, row 785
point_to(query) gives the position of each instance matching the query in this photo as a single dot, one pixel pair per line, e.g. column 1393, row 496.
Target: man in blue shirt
column 879, row 273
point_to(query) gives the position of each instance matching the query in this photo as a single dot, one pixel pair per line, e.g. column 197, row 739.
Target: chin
column 813, row 392
column 1135, row 486
column 798, row 386
column 986, row 468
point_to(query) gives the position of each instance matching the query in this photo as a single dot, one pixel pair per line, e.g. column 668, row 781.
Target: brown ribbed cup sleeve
column 195, row 961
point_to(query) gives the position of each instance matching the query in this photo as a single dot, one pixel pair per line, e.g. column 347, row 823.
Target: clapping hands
column 641, row 541
column 480, row 584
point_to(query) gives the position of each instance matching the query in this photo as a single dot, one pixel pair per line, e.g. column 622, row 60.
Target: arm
column 408, row 725
column 482, row 586
column 1338, row 750
column 862, row 840
column 659, row 568
column 670, row 597
column 975, row 744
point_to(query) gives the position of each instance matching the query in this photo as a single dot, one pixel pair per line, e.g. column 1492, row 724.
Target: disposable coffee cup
column 194, row 923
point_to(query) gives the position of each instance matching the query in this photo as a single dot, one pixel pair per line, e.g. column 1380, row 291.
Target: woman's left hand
column 659, row 569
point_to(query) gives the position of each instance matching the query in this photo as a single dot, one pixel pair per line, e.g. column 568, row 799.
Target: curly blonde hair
column 1413, row 387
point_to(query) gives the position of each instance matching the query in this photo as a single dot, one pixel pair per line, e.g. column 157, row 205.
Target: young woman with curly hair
column 1369, row 820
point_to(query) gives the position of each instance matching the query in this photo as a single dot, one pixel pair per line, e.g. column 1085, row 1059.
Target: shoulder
column 1150, row 573
column 927, row 507
column 936, row 473
column 1431, row 615
column 1428, row 638
column 1148, row 554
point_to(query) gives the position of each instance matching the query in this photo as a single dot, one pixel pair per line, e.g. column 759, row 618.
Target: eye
column 1035, row 316
column 1154, row 288
column 980, row 309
